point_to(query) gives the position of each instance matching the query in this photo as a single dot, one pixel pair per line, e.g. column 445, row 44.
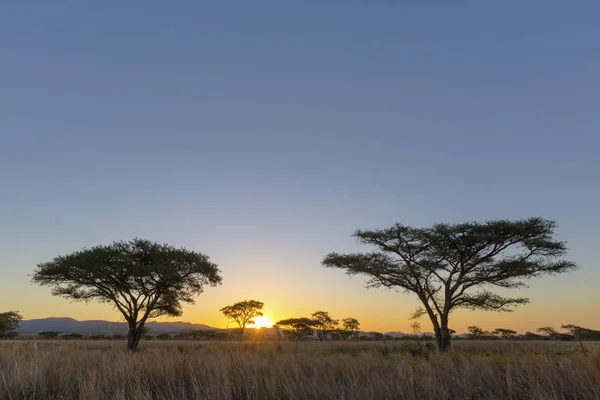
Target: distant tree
column 351, row 328
column 388, row 337
column 98, row 336
column 118, row 337
column 416, row 328
column 475, row 331
column 376, row 335
column 504, row 333
column 49, row 334
column 9, row 321
column 139, row 278
column 72, row 336
column 324, row 324
column 243, row 313
column 335, row 335
column 163, row 336
column 450, row 266
column 548, row 331
column 532, row 336
column 452, row 331
column 297, row 328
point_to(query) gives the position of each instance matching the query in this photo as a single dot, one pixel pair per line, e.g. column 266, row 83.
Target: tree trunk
column 133, row 337
column 443, row 338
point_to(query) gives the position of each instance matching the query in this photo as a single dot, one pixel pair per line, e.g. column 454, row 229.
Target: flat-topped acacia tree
column 451, row 266
column 140, row 278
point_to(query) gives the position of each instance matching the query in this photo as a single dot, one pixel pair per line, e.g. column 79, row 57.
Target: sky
column 264, row 133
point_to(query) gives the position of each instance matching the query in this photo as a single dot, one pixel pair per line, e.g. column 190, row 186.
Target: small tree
column 548, row 331
column 296, row 328
column 416, row 328
column 9, row 321
column 504, row 333
column 376, row 335
column 139, row 278
column 243, row 313
column 351, row 328
column 163, row 336
column 451, row 266
column 72, row 336
column 324, row 324
column 475, row 331
column 49, row 334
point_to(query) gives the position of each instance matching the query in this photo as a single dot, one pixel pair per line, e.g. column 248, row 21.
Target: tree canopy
column 9, row 321
column 243, row 313
column 140, row 278
column 450, row 266
column 323, row 324
column 296, row 328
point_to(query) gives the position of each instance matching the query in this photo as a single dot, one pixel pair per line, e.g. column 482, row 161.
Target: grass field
column 271, row 370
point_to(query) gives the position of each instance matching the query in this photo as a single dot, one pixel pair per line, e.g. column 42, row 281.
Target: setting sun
column 262, row 322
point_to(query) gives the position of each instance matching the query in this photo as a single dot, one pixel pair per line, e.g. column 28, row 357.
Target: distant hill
column 70, row 325
column 395, row 334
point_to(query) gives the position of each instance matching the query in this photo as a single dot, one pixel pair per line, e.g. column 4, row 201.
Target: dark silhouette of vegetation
column 450, row 266
column 351, row 328
column 163, row 336
column 504, row 333
column 376, row 335
column 49, row 334
column 296, row 328
column 141, row 279
column 72, row 336
column 323, row 324
column 9, row 321
column 243, row 313
column 475, row 331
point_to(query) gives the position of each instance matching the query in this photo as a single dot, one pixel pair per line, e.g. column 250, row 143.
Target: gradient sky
column 264, row 133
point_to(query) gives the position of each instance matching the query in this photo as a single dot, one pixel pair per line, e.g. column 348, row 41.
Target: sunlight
column 262, row 322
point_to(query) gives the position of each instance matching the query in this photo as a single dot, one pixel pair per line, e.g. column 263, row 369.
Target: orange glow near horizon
column 262, row 322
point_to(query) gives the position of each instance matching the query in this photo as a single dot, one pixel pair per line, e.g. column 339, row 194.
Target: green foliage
column 140, row 278
column 243, row 313
column 9, row 321
column 324, row 324
column 450, row 266
column 296, row 328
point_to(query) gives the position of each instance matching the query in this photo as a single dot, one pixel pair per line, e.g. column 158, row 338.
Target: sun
column 262, row 322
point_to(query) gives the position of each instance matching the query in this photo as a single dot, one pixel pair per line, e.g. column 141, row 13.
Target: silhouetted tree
column 243, row 313
column 475, row 331
column 163, row 336
column 139, row 278
column 351, row 328
column 9, row 321
column 72, row 336
column 416, row 328
column 450, row 266
column 548, row 331
column 376, row 335
column 49, row 334
column 297, row 328
column 504, row 333
column 324, row 324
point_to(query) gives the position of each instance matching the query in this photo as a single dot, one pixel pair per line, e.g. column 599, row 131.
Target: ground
column 311, row 370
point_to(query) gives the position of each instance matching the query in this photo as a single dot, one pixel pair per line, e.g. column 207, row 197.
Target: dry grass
column 268, row 370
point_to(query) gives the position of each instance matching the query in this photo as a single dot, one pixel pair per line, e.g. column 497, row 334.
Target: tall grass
column 271, row 370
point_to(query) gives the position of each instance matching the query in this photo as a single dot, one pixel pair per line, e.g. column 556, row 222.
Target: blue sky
column 264, row 133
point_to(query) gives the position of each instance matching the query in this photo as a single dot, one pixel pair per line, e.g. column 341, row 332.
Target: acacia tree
column 505, row 333
column 548, row 331
column 243, row 313
column 475, row 331
column 296, row 328
column 140, row 278
column 351, row 328
column 9, row 321
column 324, row 324
column 451, row 266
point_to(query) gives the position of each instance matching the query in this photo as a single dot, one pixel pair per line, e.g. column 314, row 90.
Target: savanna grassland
column 310, row 370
